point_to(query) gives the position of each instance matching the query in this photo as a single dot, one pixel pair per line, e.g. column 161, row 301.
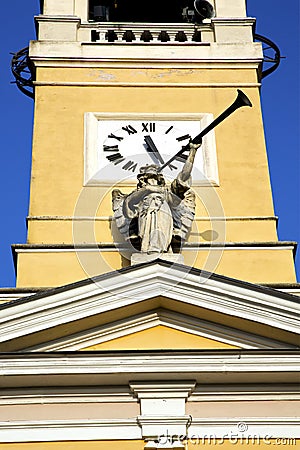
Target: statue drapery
column 155, row 215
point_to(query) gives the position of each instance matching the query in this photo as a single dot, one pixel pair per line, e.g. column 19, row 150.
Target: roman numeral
column 129, row 129
column 116, row 158
column 171, row 167
column 130, row 165
column 182, row 138
column 148, row 127
column 110, row 148
column 113, row 136
column 169, row 129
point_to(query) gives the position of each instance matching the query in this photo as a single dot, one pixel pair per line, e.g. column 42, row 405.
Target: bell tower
column 97, row 349
column 103, row 66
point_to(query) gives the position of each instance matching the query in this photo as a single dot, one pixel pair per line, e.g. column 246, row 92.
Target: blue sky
column 280, row 101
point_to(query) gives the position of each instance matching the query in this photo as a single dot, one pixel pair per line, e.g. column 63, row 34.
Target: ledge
column 104, row 245
column 120, row 367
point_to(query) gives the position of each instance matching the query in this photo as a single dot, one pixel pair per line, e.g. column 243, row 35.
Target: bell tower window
column 168, row 11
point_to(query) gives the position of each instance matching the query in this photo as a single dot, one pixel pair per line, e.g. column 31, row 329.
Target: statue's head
column 151, row 169
column 150, row 172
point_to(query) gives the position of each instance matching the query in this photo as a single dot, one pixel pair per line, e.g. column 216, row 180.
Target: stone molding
column 163, row 317
column 43, row 431
column 155, row 426
column 122, row 394
column 115, row 290
column 119, row 368
column 163, row 406
column 123, row 55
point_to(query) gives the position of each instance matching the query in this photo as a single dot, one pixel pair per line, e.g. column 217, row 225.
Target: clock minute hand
column 151, row 147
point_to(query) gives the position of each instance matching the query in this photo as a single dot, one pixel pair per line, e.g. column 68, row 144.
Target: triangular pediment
column 152, row 306
column 159, row 337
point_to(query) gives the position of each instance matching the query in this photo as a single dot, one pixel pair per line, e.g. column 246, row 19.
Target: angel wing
column 121, row 221
column 183, row 214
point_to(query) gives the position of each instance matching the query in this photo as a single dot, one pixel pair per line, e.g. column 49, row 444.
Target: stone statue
column 155, row 217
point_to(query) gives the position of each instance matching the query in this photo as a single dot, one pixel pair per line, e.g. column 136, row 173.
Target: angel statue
column 155, row 217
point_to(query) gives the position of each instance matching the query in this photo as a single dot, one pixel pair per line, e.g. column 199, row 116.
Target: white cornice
column 163, row 63
column 147, row 361
column 251, row 392
column 69, row 430
column 157, row 389
column 111, row 247
column 109, row 218
column 145, row 84
column 186, row 54
column 112, row 394
column 234, row 21
column 108, row 368
column 62, row 395
column 157, row 425
column 241, row 427
column 263, row 428
column 57, row 18
column 152, row 319
column 131, row 287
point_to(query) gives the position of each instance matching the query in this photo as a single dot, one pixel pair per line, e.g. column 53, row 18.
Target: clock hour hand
column 151, row 148
column 191, row 146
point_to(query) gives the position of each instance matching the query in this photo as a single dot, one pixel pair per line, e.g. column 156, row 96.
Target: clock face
column 127, row 145
column 116, row 148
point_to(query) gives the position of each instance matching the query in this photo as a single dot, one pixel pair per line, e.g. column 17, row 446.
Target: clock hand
column 189, row 146
column 151, row 147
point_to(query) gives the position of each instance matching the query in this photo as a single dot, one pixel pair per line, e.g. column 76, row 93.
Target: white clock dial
column 130, row 144
column 117, row 145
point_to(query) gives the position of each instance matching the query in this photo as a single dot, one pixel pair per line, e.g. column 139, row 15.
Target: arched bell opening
column 168, row 11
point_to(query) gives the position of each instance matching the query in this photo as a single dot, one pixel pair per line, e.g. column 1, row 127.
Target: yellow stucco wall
column 58, row 133
column 160, row 337
column 60, row 230
column 57, row 172
column 55, row 268
column 62, row 98
column 147, row 74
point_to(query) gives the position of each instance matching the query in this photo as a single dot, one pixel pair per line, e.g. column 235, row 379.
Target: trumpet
column 240, row 101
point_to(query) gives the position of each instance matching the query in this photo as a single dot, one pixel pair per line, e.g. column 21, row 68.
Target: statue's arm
column 132, row 201
column 186, row 171
column 129, row 206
